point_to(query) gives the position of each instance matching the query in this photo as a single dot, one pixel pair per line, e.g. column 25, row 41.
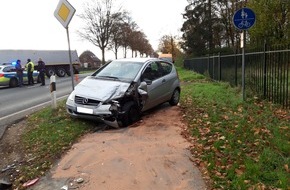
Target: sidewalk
column 149, row 155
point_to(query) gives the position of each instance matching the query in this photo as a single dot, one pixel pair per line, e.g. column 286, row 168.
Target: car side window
column 166, row 68
column 151, row 72
column 9, row 69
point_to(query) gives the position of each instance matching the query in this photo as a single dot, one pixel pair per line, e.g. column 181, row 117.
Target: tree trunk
column 103, row 56
column 210, row 27
column 125, row 52
column 116, row 53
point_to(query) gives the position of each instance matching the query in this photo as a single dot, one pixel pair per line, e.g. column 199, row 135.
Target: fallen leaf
column 286, row 167
column 31, row 182
column 239, row 172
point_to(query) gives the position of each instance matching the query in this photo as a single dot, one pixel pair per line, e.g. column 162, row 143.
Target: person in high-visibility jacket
column 30, row 68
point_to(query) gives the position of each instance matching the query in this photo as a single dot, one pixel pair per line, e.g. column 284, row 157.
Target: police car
column 8, row 76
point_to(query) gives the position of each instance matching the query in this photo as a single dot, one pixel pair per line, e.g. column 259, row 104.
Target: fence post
column 213, row 67
column 220, row 66
column 52, row 91
column 265, row 71
column 236, row 68
column 208, row 62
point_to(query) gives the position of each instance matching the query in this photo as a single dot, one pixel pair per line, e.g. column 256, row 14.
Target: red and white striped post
column 52, row 92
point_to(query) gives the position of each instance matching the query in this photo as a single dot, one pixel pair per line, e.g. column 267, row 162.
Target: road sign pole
column 70, row 62
column 64, row 13
column 243, row 63
column 244, row 19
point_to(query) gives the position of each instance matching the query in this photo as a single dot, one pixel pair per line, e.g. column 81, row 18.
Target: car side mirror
column 142, row 90
column 148, row 81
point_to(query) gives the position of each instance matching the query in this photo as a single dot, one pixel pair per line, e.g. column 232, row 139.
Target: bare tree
column 99, row 18
column 116, row 37
column 136, row 41
column 169, row 44
column 120, row 30
column 127, row 29
column 146, row 48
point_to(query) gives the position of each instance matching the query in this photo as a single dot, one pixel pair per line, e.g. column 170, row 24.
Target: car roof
column 7, row 63
column 7, row 66
column 4, row 66
column 142, row 59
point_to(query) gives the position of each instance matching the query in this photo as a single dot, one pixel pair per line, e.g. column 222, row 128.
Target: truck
column 56, row 61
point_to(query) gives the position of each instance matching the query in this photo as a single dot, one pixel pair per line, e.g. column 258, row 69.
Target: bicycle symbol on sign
column 244, row 23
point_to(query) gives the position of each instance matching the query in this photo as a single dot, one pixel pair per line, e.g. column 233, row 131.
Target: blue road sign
column 244, row 18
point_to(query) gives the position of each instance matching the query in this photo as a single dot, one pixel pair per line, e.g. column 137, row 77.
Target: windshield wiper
column 110, row 77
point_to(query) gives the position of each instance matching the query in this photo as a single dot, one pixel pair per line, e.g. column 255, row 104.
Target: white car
column 121, row 90
column 8, row 76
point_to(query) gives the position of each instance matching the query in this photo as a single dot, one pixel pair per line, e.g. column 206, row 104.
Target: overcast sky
column 30, row 24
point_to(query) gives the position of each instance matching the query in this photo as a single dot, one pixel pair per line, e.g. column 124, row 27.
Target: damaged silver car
column 121, row 90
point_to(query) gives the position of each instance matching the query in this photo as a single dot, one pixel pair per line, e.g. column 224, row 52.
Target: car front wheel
column 174, row 98
column 131, row 114
column 13, row 82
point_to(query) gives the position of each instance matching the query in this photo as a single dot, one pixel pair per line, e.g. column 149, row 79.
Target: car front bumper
column 99, row 113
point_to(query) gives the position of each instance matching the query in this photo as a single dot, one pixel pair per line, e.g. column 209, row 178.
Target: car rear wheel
column 13, row 82
column 174, row 98
column 131, row 114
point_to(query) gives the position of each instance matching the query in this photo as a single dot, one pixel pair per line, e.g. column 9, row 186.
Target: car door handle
column 163, row 80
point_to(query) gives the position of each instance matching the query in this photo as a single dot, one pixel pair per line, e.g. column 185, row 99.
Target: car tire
column 60, row 72
column 131, row 114
column 13, row 82
column 175, row 98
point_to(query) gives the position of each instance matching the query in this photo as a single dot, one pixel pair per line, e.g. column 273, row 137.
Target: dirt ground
column 150, row 155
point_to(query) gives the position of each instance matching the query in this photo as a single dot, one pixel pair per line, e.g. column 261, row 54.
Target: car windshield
column 119, row 70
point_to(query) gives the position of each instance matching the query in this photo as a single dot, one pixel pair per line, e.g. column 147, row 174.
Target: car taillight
column 1, row 75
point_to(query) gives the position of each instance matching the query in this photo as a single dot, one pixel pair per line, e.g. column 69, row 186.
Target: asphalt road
column 16, row 103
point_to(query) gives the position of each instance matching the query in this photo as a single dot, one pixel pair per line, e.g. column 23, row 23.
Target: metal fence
column 267, row 72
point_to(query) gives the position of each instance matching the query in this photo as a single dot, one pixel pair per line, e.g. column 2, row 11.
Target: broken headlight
column 131, row 90
column 115, row 106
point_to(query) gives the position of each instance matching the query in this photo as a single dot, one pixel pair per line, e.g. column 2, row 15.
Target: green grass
column 187, row 76
column 243, row 145
column 48, row 135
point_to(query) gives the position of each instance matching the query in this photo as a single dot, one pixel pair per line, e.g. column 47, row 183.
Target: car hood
column 99, row 89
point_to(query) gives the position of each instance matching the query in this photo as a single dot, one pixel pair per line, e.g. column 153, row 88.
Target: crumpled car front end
column 100, row 100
